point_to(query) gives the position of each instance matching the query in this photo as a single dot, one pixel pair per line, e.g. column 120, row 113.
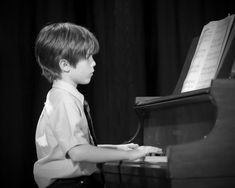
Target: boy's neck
column 66, row 78
column 69, row 82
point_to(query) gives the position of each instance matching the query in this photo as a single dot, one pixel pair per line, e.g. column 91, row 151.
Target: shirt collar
column 69, row 88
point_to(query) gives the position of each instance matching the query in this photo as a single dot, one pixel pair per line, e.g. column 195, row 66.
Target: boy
column 66, row 152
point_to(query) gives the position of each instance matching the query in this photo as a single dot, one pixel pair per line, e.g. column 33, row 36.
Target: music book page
column 208, row 53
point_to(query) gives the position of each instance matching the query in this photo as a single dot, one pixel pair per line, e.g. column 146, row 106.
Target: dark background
column 143, row 48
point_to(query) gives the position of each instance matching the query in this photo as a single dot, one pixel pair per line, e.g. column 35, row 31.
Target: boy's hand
column 143, row 151
column 150, row 150
column 127, row 147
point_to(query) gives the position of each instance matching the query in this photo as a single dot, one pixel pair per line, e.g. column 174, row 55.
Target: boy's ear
column 64, row 65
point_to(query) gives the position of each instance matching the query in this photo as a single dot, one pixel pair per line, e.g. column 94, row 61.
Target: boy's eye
column 88, row 55
column 90, row 58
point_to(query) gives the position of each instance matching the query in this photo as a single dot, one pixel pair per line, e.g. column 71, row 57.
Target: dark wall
column 143, row 47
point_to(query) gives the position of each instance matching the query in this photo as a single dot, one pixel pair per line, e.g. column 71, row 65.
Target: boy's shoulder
column 58, row 96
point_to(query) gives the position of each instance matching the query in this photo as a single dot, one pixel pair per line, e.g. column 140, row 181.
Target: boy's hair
column 63, row 41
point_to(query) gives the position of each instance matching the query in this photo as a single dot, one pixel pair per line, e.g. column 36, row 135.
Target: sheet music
column 208, row 53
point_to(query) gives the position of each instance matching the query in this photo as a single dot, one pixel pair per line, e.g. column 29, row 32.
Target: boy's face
column 83, row 71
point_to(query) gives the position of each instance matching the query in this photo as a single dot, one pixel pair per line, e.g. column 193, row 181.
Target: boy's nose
column 93, row 63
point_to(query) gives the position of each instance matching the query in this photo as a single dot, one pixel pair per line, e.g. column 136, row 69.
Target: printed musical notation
column 208, row 54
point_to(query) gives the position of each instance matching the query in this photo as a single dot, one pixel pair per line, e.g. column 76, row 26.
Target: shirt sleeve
column 68, row 125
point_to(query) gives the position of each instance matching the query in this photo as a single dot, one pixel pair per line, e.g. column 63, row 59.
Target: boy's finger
column 133, row 146
column 155, row 150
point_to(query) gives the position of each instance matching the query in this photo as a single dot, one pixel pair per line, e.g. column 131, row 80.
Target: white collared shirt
column 61, row 126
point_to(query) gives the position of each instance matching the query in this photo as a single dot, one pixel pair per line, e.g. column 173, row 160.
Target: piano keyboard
column 155, row 159
column 150, row 159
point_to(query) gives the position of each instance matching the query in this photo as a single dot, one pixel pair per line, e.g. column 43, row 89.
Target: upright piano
column 195, row 129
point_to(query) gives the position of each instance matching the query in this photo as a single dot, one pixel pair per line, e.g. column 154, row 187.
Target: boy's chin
column 85, row 82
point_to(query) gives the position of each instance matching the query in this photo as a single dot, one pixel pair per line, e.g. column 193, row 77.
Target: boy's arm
column 90, row 153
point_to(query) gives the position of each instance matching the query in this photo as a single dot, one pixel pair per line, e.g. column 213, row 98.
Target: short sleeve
column 68, row 125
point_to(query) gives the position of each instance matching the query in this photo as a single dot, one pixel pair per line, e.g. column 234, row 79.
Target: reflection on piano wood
column 195, row 129
column 137, row 174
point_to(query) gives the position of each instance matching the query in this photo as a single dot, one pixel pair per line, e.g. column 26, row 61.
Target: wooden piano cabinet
column 197, row 132
column 136, row 175
column 177, row 121
column 209, row 162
